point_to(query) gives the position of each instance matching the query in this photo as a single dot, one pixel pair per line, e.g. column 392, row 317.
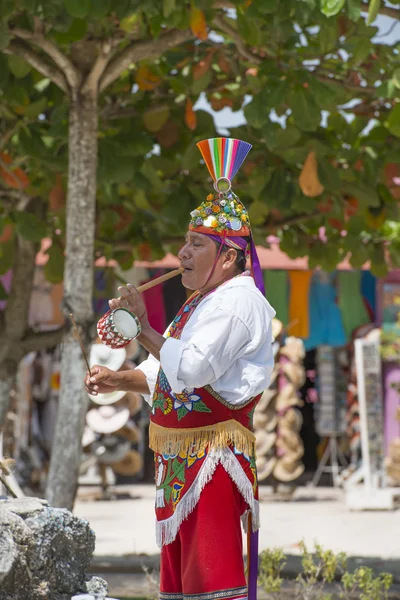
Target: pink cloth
column 154, row 301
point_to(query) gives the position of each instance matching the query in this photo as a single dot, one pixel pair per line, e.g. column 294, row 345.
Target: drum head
column 126, row 322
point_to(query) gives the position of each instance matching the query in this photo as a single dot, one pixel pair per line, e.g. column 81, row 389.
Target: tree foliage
column 318, row 85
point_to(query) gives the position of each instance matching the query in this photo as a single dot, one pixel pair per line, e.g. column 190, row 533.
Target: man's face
column 197, row 257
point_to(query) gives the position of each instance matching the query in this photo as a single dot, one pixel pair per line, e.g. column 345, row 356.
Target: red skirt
column 205, row 561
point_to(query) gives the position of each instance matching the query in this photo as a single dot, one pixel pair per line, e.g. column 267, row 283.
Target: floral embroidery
column 187, row 401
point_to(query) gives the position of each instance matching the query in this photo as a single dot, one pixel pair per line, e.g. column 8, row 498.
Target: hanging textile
column 368, row 291
column 326, row 325
column 298, row 306
column 154, row 301
column 352, row 307
column 277, row 292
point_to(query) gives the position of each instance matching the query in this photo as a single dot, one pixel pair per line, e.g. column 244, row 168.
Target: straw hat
column 88, row 437
column 292, row 451
column 294, row 349
column 131, row 464
column 130, row 432
column 104, row 356
column 265, row 466
column 287, row 397
column 295, row 373
column 111, row 449
column 291, row 419
column 287, row 470
column 276, row 328
column 290, row 439
column 260, row 420
column 108, row 419
column 392, row 470
column 394, row 450
column 264, row 442
column 272, row 417
column 265, row 399
column 135, row 402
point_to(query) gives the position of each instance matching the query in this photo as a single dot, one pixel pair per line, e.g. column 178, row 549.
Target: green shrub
column 319, row 569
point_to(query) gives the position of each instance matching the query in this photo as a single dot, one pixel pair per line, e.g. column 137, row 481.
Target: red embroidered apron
column 192, row 433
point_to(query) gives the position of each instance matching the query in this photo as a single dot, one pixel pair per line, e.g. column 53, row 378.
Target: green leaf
column 130, row 23
column 256, row 113
column 248, row 29
column 305, row 112
column 168, row 7
column 353, row 9
column 328, row 175
column 36, row 108
column 3, row 293
column 201, row 407
column 6, row 256
column 76, row 32
column 78, row 9
column 155, row 118
column 182, row 412
column 4, row 35
column 100, row 8
column 330, row 8
column 29, row 226
column 374, row 6
column 257, row 212
column 364, row 192
column 18, row 66
column 393, row 122
column 54, row 268
column 202, row 83
column 4, row 72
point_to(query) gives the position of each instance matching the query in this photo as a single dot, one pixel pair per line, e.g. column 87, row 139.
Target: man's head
column 203, row 270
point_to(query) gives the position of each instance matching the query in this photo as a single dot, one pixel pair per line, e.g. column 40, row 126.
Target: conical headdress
column 222, row 212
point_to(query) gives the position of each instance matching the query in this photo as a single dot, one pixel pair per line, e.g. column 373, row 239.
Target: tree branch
column 220, row 22
column 140, row 50
column 103, row 59
column 42, row 340
column 64, row 64
column 21, row 198
column 21, row 49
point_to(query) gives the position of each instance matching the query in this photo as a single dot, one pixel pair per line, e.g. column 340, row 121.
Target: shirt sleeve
column 150, row 368
column 220, row 340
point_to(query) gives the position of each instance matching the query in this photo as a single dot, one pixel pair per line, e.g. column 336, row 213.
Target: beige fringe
column 220, row 435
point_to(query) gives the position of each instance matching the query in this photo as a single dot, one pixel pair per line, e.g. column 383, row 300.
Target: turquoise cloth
column 326, row 325
column 351, row 303
column 277, row 292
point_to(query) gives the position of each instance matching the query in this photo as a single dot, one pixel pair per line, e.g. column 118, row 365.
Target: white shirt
column 226, row 343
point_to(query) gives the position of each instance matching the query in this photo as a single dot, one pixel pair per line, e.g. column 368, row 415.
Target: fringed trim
column 166, row 440
column 167, row 530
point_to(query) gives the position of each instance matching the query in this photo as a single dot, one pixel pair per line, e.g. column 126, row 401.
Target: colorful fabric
column 298, row 306
column 354, row 313
column 191, row 433
column 326, row 325
column 368, row 291
column 205, row 561
column 277, row 291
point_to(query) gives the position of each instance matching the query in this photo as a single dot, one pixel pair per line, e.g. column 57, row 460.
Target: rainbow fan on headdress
column 223, row 157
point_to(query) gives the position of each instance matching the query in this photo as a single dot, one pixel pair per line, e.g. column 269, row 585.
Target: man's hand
column 102, row 381
column 131, row 299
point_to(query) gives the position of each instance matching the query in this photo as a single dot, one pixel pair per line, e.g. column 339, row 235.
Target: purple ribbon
column 254, row 260
column 253, row 566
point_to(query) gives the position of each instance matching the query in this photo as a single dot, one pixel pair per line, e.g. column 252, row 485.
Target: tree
column 119, row 76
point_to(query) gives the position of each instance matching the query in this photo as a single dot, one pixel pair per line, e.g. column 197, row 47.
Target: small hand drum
column 117, row 328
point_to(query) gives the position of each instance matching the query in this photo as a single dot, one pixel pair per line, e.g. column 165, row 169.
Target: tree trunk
column 15, row 320
column 78, row 294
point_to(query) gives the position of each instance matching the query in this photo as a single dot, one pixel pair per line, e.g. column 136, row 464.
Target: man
column 203, row 381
